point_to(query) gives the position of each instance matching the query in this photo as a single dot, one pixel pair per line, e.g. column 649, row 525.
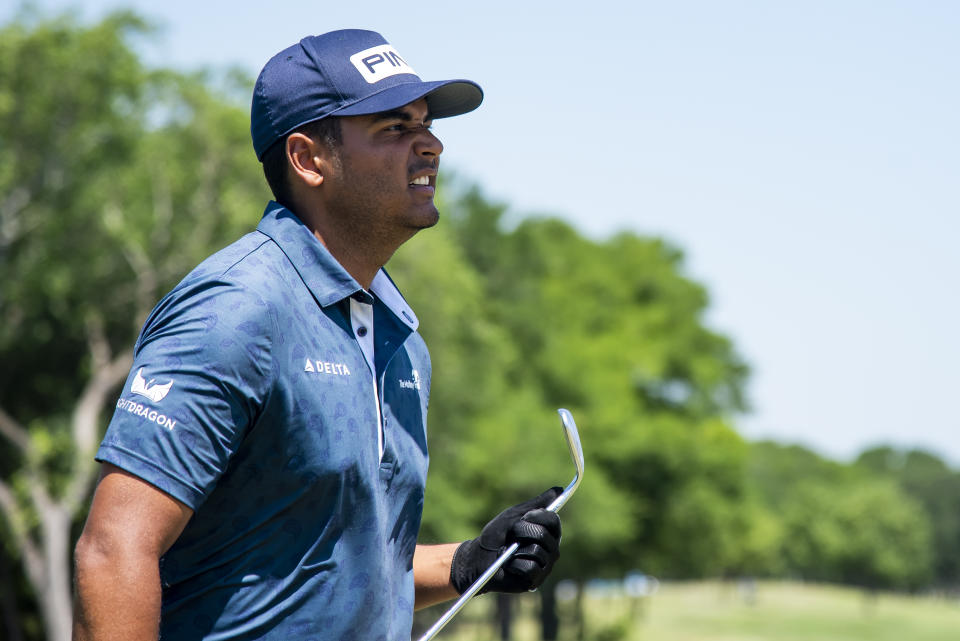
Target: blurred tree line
column 115, row 179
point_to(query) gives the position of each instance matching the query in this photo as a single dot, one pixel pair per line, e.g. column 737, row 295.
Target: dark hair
column 326, row 130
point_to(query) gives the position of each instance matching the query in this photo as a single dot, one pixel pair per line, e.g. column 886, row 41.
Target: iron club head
column 576, row 453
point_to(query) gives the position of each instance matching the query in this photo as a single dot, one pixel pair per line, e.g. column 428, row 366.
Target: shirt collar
column 326, row 278
column 384, row 289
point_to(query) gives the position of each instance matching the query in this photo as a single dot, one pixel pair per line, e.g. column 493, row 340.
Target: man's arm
column 444, row 572
column 431, row 574
column 130, row 525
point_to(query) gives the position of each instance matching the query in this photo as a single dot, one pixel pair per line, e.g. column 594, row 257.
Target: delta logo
column 324, row 367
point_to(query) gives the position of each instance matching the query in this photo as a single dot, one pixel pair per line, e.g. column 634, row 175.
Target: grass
column 714, row 611
column 795, row 612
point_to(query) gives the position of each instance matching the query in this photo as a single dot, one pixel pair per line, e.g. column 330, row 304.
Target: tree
column 928, row 480
column 867, row 533
column 114, row 180
column 839, row 523
column 613, row 331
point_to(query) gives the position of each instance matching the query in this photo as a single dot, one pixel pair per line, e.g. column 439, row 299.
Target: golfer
column 263, row 474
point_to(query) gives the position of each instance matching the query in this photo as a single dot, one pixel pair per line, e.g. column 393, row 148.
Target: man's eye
column 402, row 126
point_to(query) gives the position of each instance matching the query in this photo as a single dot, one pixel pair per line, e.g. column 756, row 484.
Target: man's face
column 384, row 181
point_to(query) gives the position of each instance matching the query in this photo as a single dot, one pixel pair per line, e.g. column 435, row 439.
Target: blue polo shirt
column 251, row 401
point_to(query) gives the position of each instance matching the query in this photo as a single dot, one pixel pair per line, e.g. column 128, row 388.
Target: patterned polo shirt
column 251, row 400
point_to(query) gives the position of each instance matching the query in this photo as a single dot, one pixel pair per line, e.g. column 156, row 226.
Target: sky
column 804, row 156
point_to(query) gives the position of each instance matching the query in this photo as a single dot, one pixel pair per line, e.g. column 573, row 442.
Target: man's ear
column 308, row 159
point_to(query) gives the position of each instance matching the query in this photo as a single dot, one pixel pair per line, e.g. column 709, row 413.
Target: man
column 263, row 475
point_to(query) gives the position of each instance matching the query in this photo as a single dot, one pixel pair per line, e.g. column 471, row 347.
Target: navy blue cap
column 345, row 73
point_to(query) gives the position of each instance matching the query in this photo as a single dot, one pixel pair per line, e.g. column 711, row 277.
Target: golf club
column 576, row 453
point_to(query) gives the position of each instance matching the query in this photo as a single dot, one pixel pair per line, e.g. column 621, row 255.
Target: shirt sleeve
column 201, row 371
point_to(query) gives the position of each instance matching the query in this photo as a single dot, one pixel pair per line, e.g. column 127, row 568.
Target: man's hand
column 536, row 530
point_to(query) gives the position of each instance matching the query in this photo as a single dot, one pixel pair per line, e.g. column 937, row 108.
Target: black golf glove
column 536, row 530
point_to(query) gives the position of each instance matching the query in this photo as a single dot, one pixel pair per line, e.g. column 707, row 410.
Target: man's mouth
column 422, row 180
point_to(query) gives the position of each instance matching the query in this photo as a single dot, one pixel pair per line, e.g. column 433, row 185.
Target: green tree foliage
column 839, row 523
column 866, row 534
column 613, row 331
column 928, row 480
column 114, row 181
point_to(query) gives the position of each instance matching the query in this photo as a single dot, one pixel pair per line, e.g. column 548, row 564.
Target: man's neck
column 353, row 257
column 360, row 257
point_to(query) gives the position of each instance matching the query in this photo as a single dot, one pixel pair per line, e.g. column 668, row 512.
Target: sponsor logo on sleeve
column 151, row 390
column 154, row 391
column 143, row 411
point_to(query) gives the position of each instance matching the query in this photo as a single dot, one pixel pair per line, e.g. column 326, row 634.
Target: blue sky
column 804, row 155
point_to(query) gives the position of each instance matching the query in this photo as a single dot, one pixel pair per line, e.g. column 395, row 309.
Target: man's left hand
column 528, row 524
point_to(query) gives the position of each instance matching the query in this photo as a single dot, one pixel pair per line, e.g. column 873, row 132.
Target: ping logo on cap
column 377, row 63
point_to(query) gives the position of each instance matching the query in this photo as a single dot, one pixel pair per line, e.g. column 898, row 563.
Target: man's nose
column 428, row 144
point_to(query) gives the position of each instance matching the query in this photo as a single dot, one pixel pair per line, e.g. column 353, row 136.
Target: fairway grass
column 725, row 611
column 794, row 612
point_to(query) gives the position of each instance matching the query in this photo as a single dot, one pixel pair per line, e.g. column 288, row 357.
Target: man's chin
column 427, row 220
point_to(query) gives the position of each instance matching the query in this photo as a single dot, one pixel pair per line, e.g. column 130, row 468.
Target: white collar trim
column 384, row 289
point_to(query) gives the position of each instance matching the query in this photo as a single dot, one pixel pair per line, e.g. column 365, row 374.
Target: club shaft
column 469, row 594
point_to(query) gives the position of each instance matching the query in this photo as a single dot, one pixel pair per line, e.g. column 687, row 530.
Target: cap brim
column 445, row 98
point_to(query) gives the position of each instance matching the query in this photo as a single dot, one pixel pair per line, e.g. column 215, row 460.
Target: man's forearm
column 117, row 598
column 431, row 574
